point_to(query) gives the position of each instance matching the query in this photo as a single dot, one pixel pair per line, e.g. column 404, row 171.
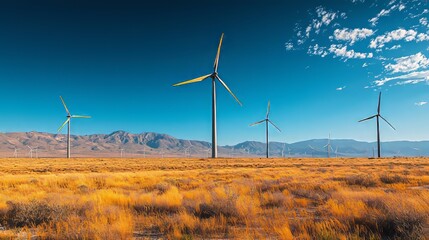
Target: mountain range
column 162, row 145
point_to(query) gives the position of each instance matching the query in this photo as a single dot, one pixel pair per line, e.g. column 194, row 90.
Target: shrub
column 33, row 213
column 362, row 180
column 390, row 179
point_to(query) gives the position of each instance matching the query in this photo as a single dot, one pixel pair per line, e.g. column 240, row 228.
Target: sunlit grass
column 205, row 198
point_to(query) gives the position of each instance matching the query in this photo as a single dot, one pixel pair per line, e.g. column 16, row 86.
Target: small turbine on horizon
column 69, row 117
column 378, row 116
column 328, row 146
column 266, row 120
column 30, row 152
column 15, row 152
column 214, row 76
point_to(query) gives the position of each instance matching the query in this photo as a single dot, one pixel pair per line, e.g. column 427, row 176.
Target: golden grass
column 92, row 198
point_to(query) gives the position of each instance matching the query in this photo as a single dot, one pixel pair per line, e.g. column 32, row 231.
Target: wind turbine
column 36, row 148
column 15, row 153
column 283, row 150
column 266, row 120
column 378, row 116
column 208, row 152
column 30, row 152
column 122, row 151
column 69, row 117
column 214, row 76
column 336, row 152
column 329, row 147
column 312, row 152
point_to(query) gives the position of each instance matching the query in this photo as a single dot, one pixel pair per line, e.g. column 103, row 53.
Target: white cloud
column 289, row 46
column 341, row 51
column 410, row 78
column 365, row 65
column 324, row 18
column 420, row 103
column 386, row 12
column 419, row 15
column 340, row 88
column 382, row 13
column 317, row 50
column 424, row 21
column 395, row 35
column 352, row 35
column 394, row 47
column 408, row 63
column 410, row 82
column 422, row 37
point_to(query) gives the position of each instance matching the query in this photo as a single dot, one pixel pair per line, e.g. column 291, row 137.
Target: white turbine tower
column 266, row 120
column 214, row 76
column 329, row 147
column 36, row 151
column 122, row 151
column 68, row 121
column 283, row 150
column 30, row 152
column 15, row 152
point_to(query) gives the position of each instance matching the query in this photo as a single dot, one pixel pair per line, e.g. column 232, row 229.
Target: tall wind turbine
column 266, row 120
column 378, row 116
column 68, row 120
column 214, row 76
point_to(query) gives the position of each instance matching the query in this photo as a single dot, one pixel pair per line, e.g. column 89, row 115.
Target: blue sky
column 321, row 65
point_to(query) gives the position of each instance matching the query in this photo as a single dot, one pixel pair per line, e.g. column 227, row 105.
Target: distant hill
column 159, row 145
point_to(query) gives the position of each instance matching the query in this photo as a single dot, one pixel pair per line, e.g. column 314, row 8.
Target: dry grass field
column 214, row 199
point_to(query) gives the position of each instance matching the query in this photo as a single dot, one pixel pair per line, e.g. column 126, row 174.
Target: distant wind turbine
column 214, row 76
column 266, row 120
column 122, row 152
column 30, row 152
column 36, row 149
column 328, row 146
column 378, row 116
column 15, row 153
column 69, row 117
column 336, row 152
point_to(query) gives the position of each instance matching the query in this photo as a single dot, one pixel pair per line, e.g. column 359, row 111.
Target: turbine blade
column 274, row 125
column 379, row 103
column 368, row 118
column 59, row 129
column 229, row 90
column 80, row 116
column 198, row 79
column 256, row 123
column 216, row 62
column 388, row 123
column 65, row 106
column 268, row 109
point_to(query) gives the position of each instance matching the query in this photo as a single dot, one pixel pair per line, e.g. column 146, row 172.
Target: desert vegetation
column 223, row 198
